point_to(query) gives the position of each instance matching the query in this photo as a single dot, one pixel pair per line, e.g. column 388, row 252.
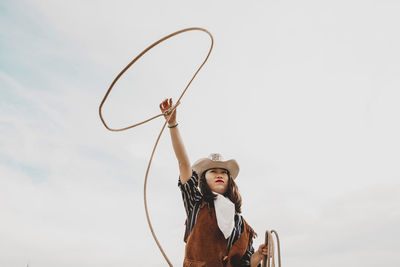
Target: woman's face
column 217, row 180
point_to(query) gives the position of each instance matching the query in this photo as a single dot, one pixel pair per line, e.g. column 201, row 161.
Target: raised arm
column 185, row 168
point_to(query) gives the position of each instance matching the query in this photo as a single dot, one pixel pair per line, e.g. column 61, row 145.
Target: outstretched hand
column 166, row 105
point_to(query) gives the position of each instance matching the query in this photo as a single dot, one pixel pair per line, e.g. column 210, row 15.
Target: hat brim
column 204, row 164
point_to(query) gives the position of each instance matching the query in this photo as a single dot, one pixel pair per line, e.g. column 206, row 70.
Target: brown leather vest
column 206, row 245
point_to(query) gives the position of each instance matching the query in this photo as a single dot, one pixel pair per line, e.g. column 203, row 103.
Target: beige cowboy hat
column 215, row 160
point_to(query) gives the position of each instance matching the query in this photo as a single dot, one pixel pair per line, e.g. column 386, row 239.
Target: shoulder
column 252, row 234
column 193, row 180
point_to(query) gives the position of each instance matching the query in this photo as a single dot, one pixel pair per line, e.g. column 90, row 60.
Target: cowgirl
column 216, row 233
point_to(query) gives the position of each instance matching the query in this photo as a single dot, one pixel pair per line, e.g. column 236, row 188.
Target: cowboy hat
column 215, row 160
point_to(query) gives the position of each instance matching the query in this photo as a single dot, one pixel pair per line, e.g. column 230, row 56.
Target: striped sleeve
column 245, row 261
column 190, row 192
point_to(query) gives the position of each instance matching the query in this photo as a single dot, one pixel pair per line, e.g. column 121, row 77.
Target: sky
column 303, row 94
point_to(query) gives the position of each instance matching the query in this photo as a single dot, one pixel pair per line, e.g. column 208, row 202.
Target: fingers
column 166, row 104
column 163, row 105
column 264, row 252
column 263, row 249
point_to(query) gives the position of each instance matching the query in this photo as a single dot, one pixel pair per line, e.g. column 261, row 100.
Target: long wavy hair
column 232, row 192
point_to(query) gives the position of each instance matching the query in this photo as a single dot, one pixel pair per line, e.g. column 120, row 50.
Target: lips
column 219, row 181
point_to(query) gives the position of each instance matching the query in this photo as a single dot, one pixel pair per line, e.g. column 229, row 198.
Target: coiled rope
column 269, row 260
column 166, row 113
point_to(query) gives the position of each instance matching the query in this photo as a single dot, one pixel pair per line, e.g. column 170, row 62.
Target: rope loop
column 269, row 260
column 268, row 234
column 167, row 113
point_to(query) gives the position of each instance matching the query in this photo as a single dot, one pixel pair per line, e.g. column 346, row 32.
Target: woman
column 216, row 234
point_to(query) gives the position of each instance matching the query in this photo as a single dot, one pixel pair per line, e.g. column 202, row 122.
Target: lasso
column 269, row 260
column 166, row 113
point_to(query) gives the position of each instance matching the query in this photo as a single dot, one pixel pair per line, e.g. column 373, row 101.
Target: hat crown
column 216, row 157
column 216, row 161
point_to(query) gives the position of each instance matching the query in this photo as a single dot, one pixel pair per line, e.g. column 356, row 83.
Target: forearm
column 179, row 147
column 177, row 143
column 255, row 259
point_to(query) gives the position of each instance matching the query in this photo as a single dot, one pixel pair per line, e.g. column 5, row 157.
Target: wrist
column 256, row 258
column 172, row 125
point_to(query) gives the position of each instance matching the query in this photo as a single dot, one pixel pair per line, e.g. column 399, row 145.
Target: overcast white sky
column 303, row 94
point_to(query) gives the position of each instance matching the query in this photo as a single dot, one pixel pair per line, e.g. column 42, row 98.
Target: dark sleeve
column 190, row 192
column 245, row 261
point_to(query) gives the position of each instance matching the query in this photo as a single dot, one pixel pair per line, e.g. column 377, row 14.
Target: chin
column 220, row 191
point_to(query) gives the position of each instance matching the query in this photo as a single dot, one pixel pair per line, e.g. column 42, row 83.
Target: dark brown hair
column 232, row 192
